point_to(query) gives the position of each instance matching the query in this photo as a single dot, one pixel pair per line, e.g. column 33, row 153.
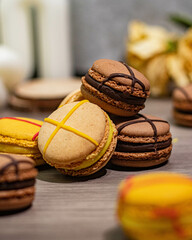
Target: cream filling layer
column 155, row 224
column 9, row 148
column 88, row 162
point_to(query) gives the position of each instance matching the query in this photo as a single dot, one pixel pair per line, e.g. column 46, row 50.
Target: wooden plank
column 67, row 208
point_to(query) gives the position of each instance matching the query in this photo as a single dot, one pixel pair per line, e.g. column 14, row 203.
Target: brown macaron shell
column 108, row 85
column 17, row 180
column 67, row 151
column 182, row 105
column 139, row 146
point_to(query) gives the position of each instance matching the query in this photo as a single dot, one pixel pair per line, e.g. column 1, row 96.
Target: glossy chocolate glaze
column 141, row 147
column 113, row 93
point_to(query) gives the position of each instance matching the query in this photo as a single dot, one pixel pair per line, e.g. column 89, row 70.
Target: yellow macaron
column 156, row 206
column 19, row 136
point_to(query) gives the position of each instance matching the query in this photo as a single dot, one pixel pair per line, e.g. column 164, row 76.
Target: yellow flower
column 185, row 50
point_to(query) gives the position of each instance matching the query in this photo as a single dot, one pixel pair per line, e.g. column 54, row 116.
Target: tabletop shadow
column 12, row 212
column 134, row 169
column 114, row 234
column 49, row 174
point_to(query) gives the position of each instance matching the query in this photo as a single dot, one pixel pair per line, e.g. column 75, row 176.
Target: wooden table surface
column 67, row 208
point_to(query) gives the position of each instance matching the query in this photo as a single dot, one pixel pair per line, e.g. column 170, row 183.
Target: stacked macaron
column 182, row 105
column 121, row 90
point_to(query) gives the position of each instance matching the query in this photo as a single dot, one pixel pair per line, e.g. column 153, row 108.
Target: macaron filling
column 17, row 184
column 89, row 162
column 183, row 111
column 113, row 93
column 9, row 148
column 142, row 147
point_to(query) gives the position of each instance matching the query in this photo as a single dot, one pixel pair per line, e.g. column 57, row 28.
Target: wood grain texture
column 84, row 209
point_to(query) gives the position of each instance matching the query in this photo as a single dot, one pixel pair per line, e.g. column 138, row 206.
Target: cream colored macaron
column 78, row 139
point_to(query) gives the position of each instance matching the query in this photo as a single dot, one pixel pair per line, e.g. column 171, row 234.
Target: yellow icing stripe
column 73, row 110
column 68, row 128
column 90, row 162
column 50, row 138
column 61, row 125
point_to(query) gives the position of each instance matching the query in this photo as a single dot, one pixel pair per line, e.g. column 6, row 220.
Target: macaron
column 72, row 97
column 17, row 181
column 156, row 206
column 182, row 105
column 115, row 87
column 142, row 141
column 19, row 136
column 78, row 139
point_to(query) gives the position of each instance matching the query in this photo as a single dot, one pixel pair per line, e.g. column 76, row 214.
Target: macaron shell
column 67, row 147
column 106, row 67
column 17, row 129
column 178, row 95
column 167, row 189
column 99, row 164
column 110, row 105
column 25, row 168
column 144, row 129
column 145, row 159
column 183, row 119
column 16, row 199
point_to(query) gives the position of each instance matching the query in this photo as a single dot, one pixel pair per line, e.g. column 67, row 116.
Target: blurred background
column 62, row 38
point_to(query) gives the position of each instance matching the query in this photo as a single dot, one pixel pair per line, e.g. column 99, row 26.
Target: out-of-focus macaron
column 142, row 141
column 72, row 97
column 78, row 139
column 17, row 180
column 156, row 206
column 115, row 87
column 182, row 105
column 19, row 136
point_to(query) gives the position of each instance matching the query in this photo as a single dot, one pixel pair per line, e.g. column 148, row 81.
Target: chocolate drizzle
column 150, row 121
column 123, row 96
column 14, row 163
column 115, row 94
column 131, row 77
column 184, row 93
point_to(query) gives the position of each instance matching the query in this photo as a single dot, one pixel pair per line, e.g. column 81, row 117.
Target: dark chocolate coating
column 182, row 111
column 141, row 147
column 113, row 93
column 4, row 186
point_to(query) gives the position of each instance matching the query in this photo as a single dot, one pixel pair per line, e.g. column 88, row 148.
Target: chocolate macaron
column 115, row 87
column 182, row 105
column 78, row 139
column 142, row 141
column 17, row 180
